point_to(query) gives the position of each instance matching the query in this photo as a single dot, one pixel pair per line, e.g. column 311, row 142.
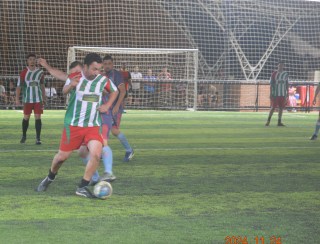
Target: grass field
column 197, row 177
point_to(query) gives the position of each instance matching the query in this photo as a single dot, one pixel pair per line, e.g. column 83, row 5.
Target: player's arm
column 18, row 88
column 271, row 84
column 130, row 81
column 70, row 84
column 43, row 90
column 122, row 94
column 58, row 74
column 113, row 91
column 316, row 94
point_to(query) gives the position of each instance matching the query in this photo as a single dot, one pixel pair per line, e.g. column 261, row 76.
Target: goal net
column 239, row 42
column 161, row 78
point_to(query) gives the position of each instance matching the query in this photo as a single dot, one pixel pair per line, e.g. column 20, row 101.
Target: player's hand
column 44, row 102
column 314, row 101
column 115, row 110
column 42, row 62
column 104, row 108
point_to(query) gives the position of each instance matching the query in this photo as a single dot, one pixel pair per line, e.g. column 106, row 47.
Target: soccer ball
column 102, row 190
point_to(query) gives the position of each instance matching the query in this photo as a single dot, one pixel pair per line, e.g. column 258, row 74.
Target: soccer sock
column 124, row 142
column 83, row 183
column 95, row 176
column 316, row 132
column 279, row 121
column 38, row 125
column 25, row 125
column 51, row 175
column 107, row 159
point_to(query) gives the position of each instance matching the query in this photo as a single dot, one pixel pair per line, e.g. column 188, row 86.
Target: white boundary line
column 172, row 149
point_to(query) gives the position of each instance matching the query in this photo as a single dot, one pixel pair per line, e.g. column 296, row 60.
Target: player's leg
column 95, row 148
column 282, row 105
column 71, row 139
column 107, row 156
column 38, row 110
column 270, row 113
column 84, row 155
column 94, row 142
column 27, row 110
column 317, row 128
column 122, row 138
column 57, row 161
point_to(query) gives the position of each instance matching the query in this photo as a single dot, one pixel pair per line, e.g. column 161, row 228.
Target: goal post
column 152, row 90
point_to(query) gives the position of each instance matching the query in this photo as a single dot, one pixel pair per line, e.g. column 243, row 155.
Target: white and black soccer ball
column 102, row 190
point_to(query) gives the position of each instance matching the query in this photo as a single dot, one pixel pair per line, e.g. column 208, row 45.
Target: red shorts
column 79, row 136
column 117, row 120
column 36, row 107
column 278, row 102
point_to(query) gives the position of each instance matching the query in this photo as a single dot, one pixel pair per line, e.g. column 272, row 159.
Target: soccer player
column 82, row 122
column 31, row 80
column 279, row 87
column 117, row 108
column 107, row 156
column 316, row 131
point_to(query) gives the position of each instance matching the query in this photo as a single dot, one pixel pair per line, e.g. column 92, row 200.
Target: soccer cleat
column 128, row 156
column 23, row 139
column 108, row 177
column 44, row 184
column 268, row 123
column 38, row 142
column 280, row 124
column 313, row 137
column 84, row 192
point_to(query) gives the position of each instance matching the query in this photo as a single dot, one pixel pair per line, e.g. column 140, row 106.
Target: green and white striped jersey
column 30, row 83
column 279, row 84
column 84, row 101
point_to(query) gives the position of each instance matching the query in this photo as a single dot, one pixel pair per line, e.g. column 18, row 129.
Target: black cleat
column 38, row 142
column 84, row 192
column 44, row 184
column 128, row 156
column 313, row 137
column 23, row 139
column 280, row 124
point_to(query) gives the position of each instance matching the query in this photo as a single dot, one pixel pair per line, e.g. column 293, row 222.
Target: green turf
column 197, row 177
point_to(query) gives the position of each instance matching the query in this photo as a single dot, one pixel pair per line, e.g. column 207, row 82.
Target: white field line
column 169, row 149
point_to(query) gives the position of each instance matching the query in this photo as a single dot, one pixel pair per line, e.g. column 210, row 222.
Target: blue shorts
column 116, row 120
column 106, row 126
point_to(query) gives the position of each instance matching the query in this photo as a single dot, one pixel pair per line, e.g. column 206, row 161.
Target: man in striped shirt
column 278, row 92
column 31, row 82
column 82, row 122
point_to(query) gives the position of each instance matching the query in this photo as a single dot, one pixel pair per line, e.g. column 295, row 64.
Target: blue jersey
column 116, row 77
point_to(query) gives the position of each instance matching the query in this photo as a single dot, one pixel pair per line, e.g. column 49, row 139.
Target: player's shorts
column 278, row 102
column 79, row 136
column 116, row 120
column 36, row 107
column 106, row 128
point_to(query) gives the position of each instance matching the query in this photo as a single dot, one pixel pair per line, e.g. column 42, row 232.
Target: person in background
column 279, row 87
column 117, row 107
column 31, row 82
column 292, row 101
column 3, row 95
column 136, row 77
